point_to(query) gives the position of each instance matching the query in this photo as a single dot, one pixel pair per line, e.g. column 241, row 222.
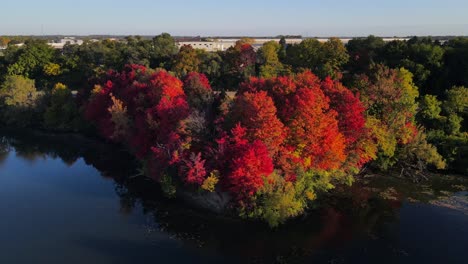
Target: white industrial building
column 223, row 44
column 66, row 40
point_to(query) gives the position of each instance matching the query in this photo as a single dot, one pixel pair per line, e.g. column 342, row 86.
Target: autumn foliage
column 281, row 139
column 257, row 113
column 322, row 120
column 151, row 104
column 248, row 164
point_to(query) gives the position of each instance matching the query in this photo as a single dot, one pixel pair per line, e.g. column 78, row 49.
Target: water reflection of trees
column 353, row 213
column 32, row 146
column 4, row 149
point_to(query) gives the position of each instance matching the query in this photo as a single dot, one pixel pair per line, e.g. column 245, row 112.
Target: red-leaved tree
column 154, row 105
column 257, row 113
column 247, row 165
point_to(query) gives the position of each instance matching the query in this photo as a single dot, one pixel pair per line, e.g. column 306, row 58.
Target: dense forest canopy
column 304, row 117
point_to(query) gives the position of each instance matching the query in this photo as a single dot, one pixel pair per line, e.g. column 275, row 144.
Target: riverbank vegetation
column 304, row 117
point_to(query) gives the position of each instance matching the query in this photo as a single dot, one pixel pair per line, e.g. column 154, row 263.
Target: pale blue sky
column 241, row 17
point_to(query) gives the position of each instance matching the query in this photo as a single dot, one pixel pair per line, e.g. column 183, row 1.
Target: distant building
column 59, row 44
column 222, row 44
column 66, row 40
column 210, row 46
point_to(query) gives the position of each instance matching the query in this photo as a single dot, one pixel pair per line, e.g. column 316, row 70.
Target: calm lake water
column 64, row 199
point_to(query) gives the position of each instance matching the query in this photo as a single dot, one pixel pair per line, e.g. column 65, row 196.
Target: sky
column 235, row 18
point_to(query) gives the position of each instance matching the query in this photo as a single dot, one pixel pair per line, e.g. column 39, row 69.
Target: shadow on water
column 358, row 224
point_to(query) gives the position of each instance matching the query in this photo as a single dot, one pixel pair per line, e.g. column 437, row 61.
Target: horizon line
column 227, row 36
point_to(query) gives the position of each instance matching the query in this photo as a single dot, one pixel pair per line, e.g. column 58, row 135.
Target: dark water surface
column 64, row 199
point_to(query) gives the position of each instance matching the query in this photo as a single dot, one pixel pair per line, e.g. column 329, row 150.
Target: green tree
column 211, row 64
column 271, row 65
column 164, row 48
column 20, row 101
column 364, row 52
column 7, row 57
column 284, row 46
column 186, row 61
column 324, row 59
column 421, row 56
column 136, row 51
column 457, row 100
column 335, row 56
column 61, row 112
column 305, row 54
column 393, row 53
column 455, row 68
column 80, row 63
column 424, row 58
column 31, row 59
column 52, row 69
column 430, row 107
column 449, row 131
